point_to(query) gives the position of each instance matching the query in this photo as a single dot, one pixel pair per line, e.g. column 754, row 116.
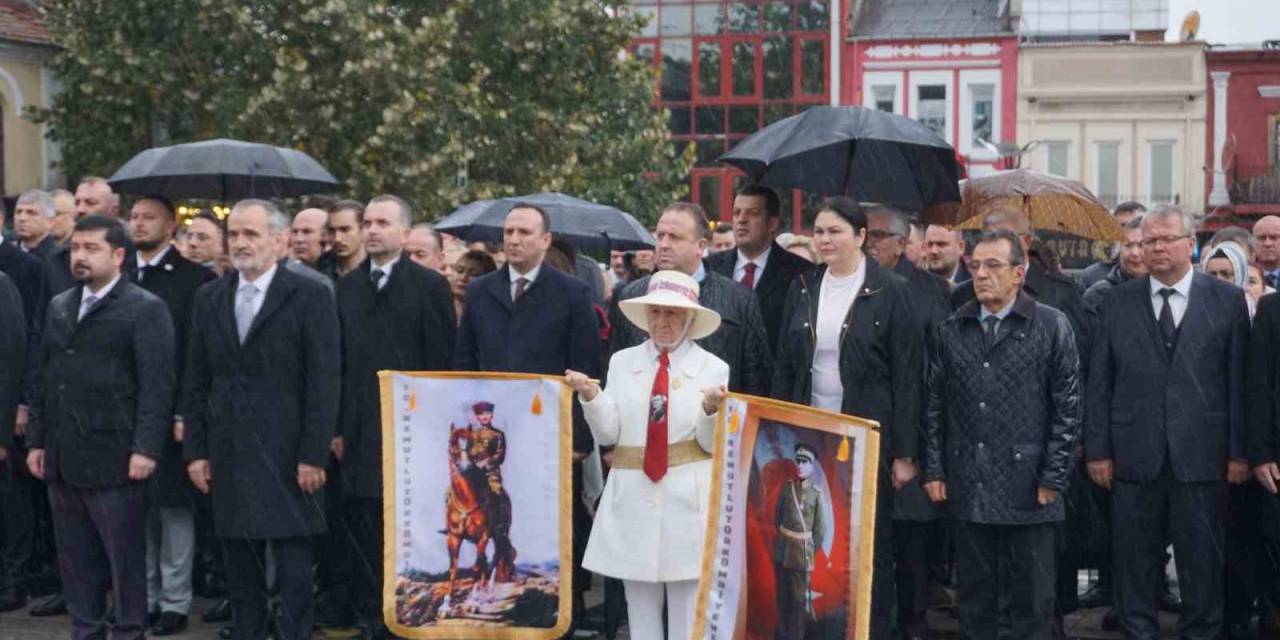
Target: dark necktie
column 655, row 442
column 990, row 325
column 375, row 276
column 521, row 283
column 142, row 272
column 1168, row 330
column 749, row 275
column 1272, row 278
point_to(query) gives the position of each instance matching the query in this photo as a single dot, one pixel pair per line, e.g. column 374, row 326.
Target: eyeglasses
column 1164, row 241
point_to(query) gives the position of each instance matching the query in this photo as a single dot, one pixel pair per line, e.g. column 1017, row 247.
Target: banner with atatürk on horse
column 477, row 514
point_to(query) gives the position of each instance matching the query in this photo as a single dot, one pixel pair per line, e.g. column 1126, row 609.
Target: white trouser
column 644, row 608
column 171, row 544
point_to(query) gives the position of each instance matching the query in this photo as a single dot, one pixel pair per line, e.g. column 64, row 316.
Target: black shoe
column 1096, row 596
column 12, row 599
column 170, row 622
column 1169, row 602
column 152, row 618
column 336, row 614
column 54, row 605
column 219, row 612
column 1111, row 620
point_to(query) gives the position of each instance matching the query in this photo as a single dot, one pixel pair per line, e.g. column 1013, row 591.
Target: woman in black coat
column 849, row 343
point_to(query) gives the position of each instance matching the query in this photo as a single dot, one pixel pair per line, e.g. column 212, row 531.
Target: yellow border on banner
column 565, row 587
column 810, row 418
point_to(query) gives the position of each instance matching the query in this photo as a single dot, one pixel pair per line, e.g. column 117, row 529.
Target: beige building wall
column 1086, row 104
column 24, row 82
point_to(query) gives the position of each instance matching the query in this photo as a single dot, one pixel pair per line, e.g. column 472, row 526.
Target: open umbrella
column 1050, row 202
column 589, row 226
column 869, row 155
column 223, row 170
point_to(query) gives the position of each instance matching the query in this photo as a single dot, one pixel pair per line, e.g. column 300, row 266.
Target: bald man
column 307, row 235
column 94, row 195
column 1267, row 251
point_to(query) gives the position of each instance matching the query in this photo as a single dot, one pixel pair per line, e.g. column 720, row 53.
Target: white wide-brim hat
column 672, row 289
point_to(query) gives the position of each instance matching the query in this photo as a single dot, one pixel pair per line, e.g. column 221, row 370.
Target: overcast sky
column 1228, row 21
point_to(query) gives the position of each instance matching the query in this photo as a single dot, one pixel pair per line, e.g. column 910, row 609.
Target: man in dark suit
column 396, row 315
column 93, row 197
column 262, row 380
column 1165, row 425
column 33, row 217
column 944, row 254
column 758, row 262
column 105, row 407
column 741, row 340
column 161, row 270
column 914, row 514
column 13, row 369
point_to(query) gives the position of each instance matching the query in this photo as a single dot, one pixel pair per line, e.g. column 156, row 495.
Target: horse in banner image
column 476, row 512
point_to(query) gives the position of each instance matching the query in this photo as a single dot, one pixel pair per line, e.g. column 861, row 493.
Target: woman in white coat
column 649, row 527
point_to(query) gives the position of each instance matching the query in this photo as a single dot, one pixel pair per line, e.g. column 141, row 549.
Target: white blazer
column 647, row 531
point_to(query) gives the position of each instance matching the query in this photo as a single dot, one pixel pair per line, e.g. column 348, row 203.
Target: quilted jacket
column 1002, row 422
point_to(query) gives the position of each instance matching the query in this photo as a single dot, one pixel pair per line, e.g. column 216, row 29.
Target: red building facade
column 1243, row 134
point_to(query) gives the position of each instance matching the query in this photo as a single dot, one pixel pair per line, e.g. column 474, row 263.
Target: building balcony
column 1255, row 190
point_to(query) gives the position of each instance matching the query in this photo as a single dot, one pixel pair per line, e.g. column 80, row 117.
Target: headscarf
column 1239, row 263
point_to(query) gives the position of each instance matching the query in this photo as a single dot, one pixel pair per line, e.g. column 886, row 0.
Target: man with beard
column 93, row 197
column 944, row 254
column 104, row 411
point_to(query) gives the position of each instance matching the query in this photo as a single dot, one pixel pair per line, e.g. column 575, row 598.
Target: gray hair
column 898, row 223
column 1165, row 211
column 1017, row 255
column 406, row 212
column 277, row 221
column 41, row 199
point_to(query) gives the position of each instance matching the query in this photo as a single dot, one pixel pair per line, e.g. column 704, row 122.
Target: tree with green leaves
column 440, row 101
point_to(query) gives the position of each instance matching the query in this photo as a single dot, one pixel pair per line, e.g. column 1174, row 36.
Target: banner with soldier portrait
column 476, row 503
column 789, row 540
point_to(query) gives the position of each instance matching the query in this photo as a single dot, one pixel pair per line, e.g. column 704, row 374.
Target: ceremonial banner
column 476, row 505
column 790, row 533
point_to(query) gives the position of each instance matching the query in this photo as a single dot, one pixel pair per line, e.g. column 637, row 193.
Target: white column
column 1219, row 194
column 837, row 48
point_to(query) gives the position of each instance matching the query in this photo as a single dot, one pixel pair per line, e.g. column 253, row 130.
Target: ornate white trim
column 1269, row 91
column 938, row 50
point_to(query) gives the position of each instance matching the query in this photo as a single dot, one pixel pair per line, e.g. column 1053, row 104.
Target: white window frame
column 873, row 79
column 1097, row 166
column 1173, row 169
column 918, row 79
column 1048, row 158
column 969, row 78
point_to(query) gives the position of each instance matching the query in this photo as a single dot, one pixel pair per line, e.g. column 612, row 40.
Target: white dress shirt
column 740, row 268
column 836, row 296
column 155, row 260
column 1177, row 301
column 97, row 296
column 385, row 269
column 261, row 284
column 529, row 277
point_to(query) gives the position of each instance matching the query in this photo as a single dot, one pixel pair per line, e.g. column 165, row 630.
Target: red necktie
column 655, row 443
column 749, row 277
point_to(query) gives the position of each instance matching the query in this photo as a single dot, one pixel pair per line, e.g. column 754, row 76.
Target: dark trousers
column 1188, row 514
column 911, row 555
column 985, row 554
column 364, row 520
column 102, row 547
column 792, row 603
column 18, row 526
column 1250, row 559
column 883, row 589
column 335, row 547
column 246, row 582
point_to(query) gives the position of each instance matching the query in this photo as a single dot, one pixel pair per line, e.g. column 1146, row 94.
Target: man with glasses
column 1164, row 426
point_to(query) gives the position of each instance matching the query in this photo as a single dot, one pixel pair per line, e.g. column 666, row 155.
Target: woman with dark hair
column 848, row 344
column 468, row 267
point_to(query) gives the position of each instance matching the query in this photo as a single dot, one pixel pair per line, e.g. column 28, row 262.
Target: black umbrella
column 223, row 170
column 589, row 226
column 869, row 155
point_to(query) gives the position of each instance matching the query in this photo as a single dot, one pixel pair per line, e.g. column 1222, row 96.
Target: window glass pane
column 709, row 152
column 744, row 68
column 744, row 119
column 777, row 16
column 1058, row 153
column 709, row 68
column 709, row 195
column 677, row 20
column 644, row 52
column 932, row 107
column 983, row 98
column 1162, row 172
column 708, row 19
column 1108, row 173
column 710, row 120
column 882, row 96
column 679, row 122
column 677, row 62
column 777, row 67
column 650, row 13
column 744, row 17
column 810, row 202
column 813, row 67
column 812, row 15
column 776, row 112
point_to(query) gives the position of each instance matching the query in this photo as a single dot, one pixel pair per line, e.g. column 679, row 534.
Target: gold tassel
column 413, row 401
column 842, row 454
column 734, row 421
column 536, row 409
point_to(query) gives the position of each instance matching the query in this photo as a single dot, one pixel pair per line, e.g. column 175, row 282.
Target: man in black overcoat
column 105, row 407
column 262, row 385
column 397, row 316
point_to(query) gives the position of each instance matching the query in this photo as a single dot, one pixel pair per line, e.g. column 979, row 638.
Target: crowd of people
column 194, row 407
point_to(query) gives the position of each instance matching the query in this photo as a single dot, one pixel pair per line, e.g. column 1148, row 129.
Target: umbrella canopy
column 1050, row 202
column 589, row 226
column 869, row 155
column 223, row 170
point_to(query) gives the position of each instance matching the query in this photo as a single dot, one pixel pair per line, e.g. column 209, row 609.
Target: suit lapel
column 100, row 304
column 498, row 285
column 226, row 316
column 282, row 287
column 772, row 276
